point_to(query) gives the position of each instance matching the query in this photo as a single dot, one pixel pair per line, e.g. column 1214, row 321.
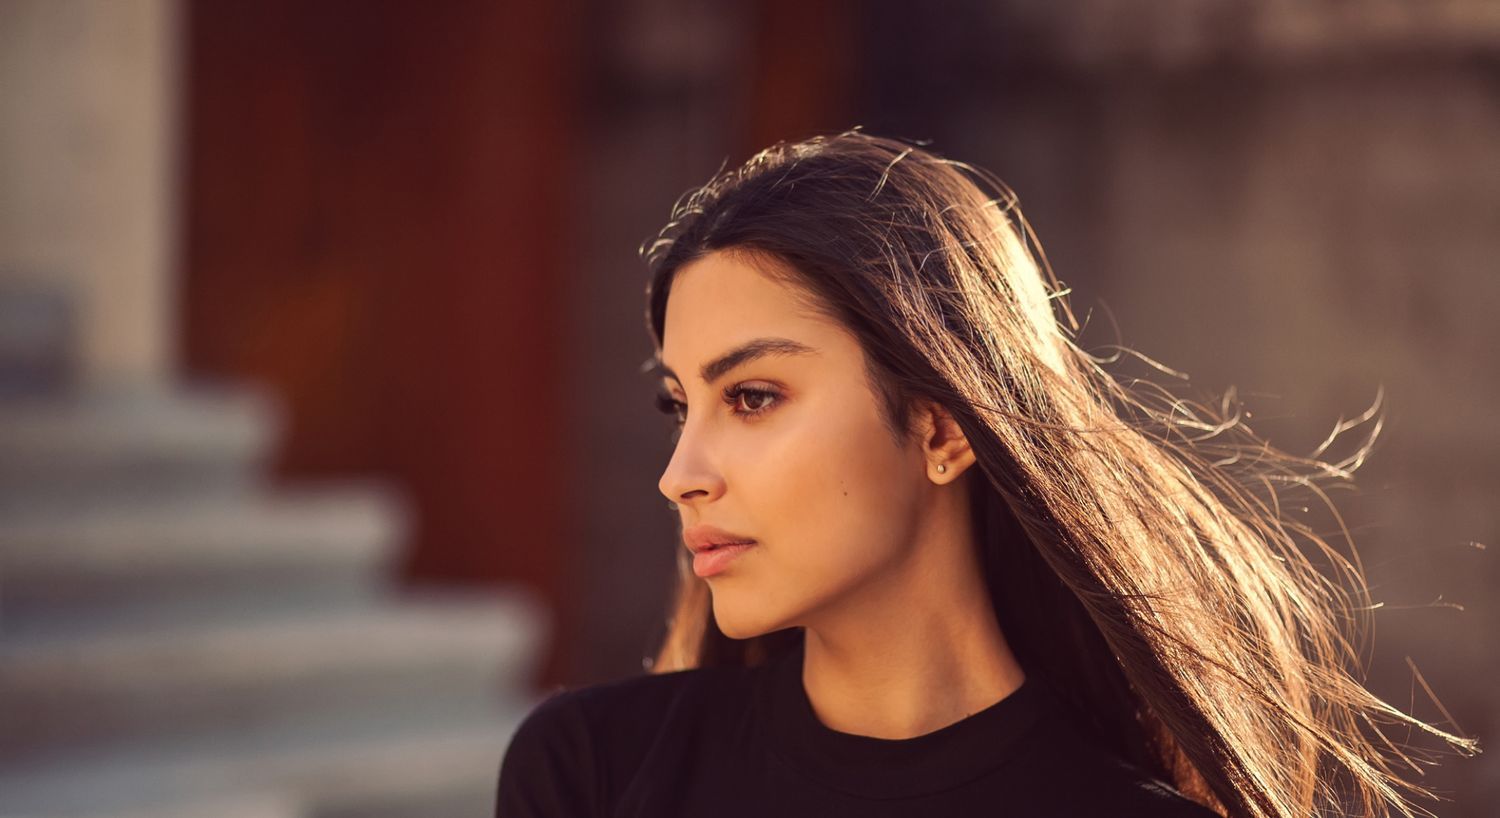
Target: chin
column 739, row 618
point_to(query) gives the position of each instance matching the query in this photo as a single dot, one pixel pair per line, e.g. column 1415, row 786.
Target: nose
column 690, row 476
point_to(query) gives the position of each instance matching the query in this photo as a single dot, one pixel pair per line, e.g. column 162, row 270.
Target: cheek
column 835, row 496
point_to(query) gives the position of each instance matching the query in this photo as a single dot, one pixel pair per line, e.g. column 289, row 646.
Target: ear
column 943, row 443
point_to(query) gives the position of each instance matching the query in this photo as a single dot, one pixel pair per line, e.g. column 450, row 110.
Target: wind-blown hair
column 1134, row 544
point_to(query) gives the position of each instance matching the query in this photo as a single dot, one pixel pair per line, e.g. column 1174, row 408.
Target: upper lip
column 702, row 537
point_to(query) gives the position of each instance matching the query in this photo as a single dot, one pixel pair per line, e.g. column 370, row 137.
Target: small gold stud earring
column 942, row 468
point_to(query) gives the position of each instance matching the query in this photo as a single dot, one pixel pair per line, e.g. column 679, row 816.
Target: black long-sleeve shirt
column 746, row 742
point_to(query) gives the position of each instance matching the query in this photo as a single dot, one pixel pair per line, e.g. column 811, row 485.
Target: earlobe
column 950, row 469
column 948, row 448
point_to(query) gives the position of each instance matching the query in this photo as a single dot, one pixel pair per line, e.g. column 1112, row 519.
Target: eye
column 762, row 399
column 666, row 404
column 755, row 401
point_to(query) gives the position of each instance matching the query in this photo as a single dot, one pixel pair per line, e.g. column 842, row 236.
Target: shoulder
column 569, row 718
column 572, row 746
column 620, row 708
column 565, row 707
column 547, row 764
column 1123, row 790
column 1147, row 797
column 1083, row 778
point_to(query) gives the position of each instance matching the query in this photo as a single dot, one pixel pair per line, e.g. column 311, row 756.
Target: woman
column 935, row 560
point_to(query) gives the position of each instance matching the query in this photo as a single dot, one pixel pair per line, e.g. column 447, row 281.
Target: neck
column 916, row 650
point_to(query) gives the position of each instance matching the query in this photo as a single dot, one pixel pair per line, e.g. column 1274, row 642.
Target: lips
column 711, row 561
column 707, row 538
column 714, row 548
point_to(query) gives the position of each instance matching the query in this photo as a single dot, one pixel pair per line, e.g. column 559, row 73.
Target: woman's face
column 803, row 464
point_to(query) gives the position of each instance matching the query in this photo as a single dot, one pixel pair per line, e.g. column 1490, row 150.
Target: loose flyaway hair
column 1140, row 548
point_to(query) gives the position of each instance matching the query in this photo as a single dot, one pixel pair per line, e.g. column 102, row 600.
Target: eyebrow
column 740, row 355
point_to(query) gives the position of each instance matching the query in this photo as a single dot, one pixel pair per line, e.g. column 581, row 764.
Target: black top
column 747, row 742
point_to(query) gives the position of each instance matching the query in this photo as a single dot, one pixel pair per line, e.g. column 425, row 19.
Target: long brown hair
column 1134, row 543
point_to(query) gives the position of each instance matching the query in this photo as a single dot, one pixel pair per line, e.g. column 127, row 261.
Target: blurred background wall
column 413, row 228
column 88, row 155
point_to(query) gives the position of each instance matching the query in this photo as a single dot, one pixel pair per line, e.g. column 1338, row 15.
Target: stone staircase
column 179, row 637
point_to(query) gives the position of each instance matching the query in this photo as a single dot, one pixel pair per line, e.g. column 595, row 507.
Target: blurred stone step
column 117, row 440
column 137, row 564
column 254, row 805
column 429, row 655
column 388, row 767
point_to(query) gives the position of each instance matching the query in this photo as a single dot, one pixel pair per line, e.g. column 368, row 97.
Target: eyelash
column 671, row 406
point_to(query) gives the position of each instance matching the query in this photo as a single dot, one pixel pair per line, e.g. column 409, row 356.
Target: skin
column 861, row 541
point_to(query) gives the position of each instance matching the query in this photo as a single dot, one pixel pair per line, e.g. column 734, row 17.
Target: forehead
column 722, row 299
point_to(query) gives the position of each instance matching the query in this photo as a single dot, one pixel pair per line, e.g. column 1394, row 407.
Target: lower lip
column 708, row 563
